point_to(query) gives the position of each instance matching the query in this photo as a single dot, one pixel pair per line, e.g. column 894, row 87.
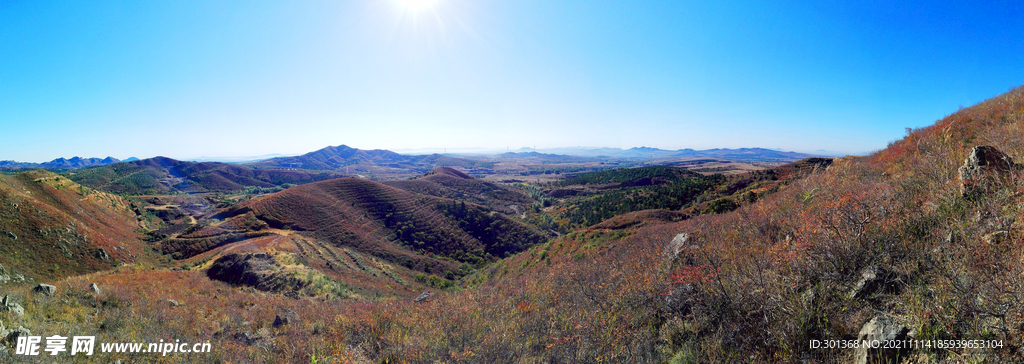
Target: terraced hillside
column 421, row 233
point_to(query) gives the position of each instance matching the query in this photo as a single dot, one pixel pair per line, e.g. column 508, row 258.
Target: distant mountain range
column 352, row 160
column 62, row 163
column 738, row 155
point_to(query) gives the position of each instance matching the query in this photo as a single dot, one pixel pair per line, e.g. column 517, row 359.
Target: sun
column 414, row 5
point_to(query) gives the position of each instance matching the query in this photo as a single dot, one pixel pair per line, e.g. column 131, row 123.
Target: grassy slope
column 753, row 285
column 51, row 227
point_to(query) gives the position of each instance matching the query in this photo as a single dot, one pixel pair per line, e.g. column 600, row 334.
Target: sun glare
column 416, row 4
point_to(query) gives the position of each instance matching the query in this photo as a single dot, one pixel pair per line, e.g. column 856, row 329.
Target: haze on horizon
column 187, row 79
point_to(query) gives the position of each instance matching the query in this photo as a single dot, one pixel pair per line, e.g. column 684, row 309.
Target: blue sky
column 186, row 79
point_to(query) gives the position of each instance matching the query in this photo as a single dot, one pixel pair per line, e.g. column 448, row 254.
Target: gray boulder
column 45, row 289
column 879, row 329
column 6, row 305
column 422, row 297
column 983, row 165
column 94, row 288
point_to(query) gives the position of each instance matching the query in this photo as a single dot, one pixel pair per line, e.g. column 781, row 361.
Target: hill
column 353, row 160
column 51, row 227
column 161, row 175
column 406, row 229
column 586, row 199
column 447, row 182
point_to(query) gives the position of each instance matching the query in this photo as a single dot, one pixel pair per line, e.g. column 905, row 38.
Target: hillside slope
column 410, row 230
column 450, row 183
column 52, row 227
column 161, row 175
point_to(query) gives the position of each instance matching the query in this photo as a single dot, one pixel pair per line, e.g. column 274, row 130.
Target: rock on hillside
column 258, row 270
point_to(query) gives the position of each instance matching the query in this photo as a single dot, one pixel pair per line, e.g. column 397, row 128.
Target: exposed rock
column 102, row 254
column 423, row 296
column 258, row 270
column 261, row 338
column 868, row 282
column 880, row 329
column 996, row 237
column 13, row 278
column 45, row 289
column 981, row 166
column 13, row 335
column 677, row 243
column 288, row 318
column 94, row 288
column 15, row 237
column 173, row 303
column 13, row 308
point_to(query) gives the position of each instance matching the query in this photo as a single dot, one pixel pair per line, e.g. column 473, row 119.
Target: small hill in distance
column 450, row 183
column 351, row 160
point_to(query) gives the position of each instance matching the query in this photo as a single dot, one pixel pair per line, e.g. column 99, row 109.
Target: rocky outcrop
column 287, row 318
column 983, row 167
column 6, row 305
column 879, row 329
column 423, row 296
column 45, row 289
column 676, row 245
column 95, row 289
column 258, row 270
column 261, row 338
column 13, row 335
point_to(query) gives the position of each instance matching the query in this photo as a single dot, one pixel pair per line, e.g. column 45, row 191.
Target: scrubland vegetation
column 898, row 234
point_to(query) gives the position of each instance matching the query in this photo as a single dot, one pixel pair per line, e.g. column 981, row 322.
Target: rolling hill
column 352, row 160
column 419, row 232
column 448, row 182
column 163, row 175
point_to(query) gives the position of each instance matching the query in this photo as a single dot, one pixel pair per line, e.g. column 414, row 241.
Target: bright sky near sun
column 186, row 79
